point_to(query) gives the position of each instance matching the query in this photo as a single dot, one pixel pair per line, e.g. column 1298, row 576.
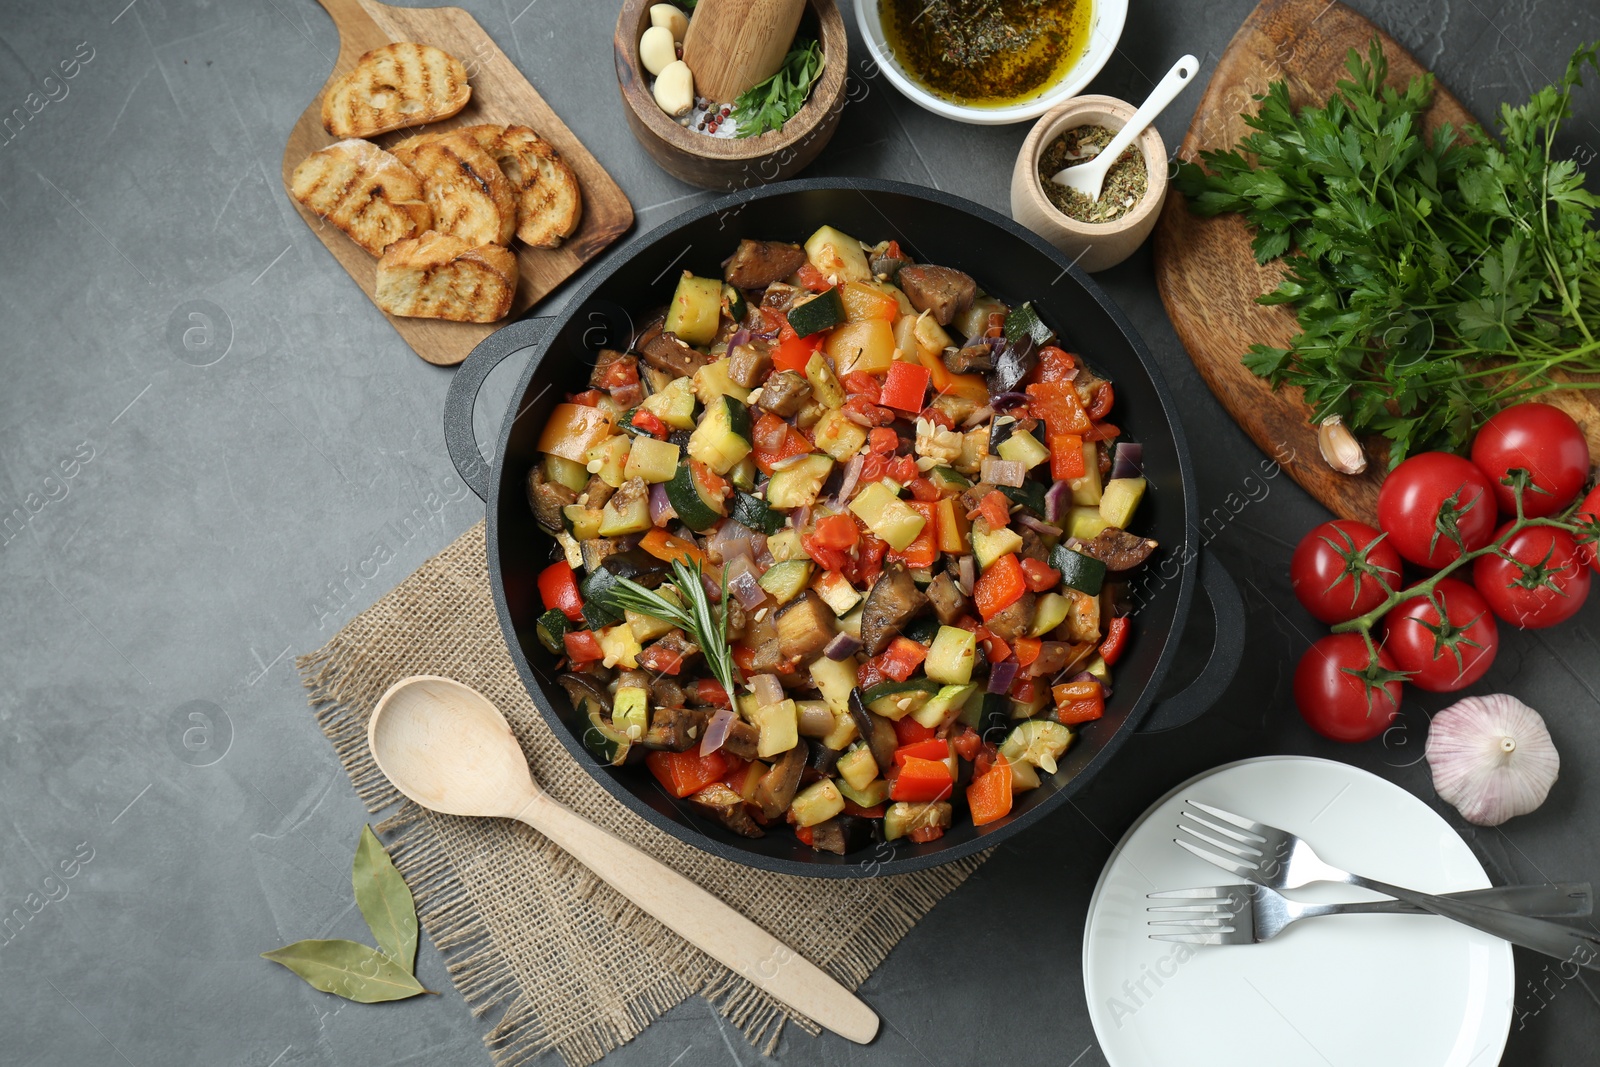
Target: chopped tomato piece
column 994, row 508
column 589, row 398
column 882, row 439
column 1022, row 689
column 1058, row 405
column 933, row 748
column 868, row 560
column 661, row 660
column 1055, row 364
column 1100, row 402
column 663, row 545
column 909, row 731
column 921, row 781
column 873, row 467
column 558, row 588
column 1041, row 577
column 923, row 834
column 806, row 834
column 1000, row 586
column 902, row 657
column 1078, row 702
column 1102, row 431
column 1116, row 641
column 903, row 468
column 775, row 439
column 860, row 383
column 709, row 693
column 1027, row 650
column 650, row 423
column 813, row 279
column 744, row 657
column 989, row 795
column 995, row 648
column 968, row 744
column 686, row 773
column 924, row 490
column 924, row 548
column 618, row 373
column 1066, row 456
column 872, row 414
column 829, row 559
column 904, row 386
column 938, row 417
column 582, row 646
column 838, row 531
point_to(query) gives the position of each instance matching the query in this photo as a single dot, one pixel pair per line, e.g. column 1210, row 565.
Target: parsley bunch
column 1435, row 280
column 769, row 105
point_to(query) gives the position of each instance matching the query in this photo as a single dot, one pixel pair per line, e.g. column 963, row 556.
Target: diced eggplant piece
column 761, row 636
column 1033, row 546
column 633, row 678
column 972, row 497
column 676, row 729
column 666, row 692
column 943, row 292
column 949, row 603
column 665, row 352
column 547, row 499
column 582, row 687
column 597, row 550
column 1014, row 621
column 805, row 625
column 1012, row 364
column 780, row 296
column 1118, row 549
column 820, row 760
column 842, row 834
column 675, row 641
column 776, row 789
column 886, row 266
column 784, row 393
column 893, row 601
column 596, row 493
column 741, row 740
column 973, row 358
column 749, row 363
column 1083, row 616
column 727, row 807
column 878, row 732
column 757, row 264
column 636, row 563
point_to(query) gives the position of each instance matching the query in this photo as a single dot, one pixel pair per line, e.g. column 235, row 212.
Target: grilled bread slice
column 363, row 190
column 398, row 85
column 440, row 276
column 549, row 199
column 470, row 196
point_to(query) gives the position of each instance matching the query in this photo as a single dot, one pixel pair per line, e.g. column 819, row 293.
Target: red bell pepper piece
column 685, row 773
column 838, row 531
column 1102, row 431
column 813, row 279
column 1058, row 405
column 589, row 398
column 1027, row 650
column 661, row 660
column 1022, row 688
column 945, row 381
column 1055, row 364
column 806, row 834
column 994, row 509
column 1066, row 456
column 882, row 440
column 922, row 780
column 1116, row 639
column 1040, row 576
column 989, row 795
column 909, row 731
column 924, row 548
column 1078, row 702
column 924, row 490
column 1000, row 586
column 829, row 559
column 901, row 658
column 664, row 546
column 923, row 834
column 558, row 588
column 904, row 386
column 933, row 748
column 709, row 693
column 582, row 646
column 649, row 422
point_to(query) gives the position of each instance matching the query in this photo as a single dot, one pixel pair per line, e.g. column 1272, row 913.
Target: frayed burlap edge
column 345, row 677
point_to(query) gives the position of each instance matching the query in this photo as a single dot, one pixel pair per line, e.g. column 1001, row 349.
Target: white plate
column 1362, row 991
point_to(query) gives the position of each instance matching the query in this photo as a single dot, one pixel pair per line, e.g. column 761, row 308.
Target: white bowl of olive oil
column 990, row 62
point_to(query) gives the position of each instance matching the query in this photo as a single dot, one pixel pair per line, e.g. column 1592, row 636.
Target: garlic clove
column 1339, row 446
column 675, row 89
column 1492, row 758
column 671, row 17
column 657, row 51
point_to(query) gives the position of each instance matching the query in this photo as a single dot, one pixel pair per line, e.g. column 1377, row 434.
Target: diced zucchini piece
column 627, row 512
column 1029, row 494
column 901, row 817
column 608, row 458
column 836, row 591
column 652, row 460
column 834, row 679
column 784, row 581
column 1100, row 669
column 695, row 503
column 824, row 383
column 875, row 793
column 817, row 802
column 888, row 517
column 858, row 767
column 836, row 435
column 645, row 627
column 630, row 711
column 743, row 474
column 989, row 545
column 1119, row 499
column 946, row 480
column 581, row 522
column 712, row 381
column 1049, row 612
column 798, row 484
column 944, row 706
column 920, row 335
column 1022, row 448
column 723, row 436
column 851, row 623
column 1085, row 523
column 1027, row 709
column 571, row 549
column 973, row 321
column 785, row 544
column 1082, row 572
column 733, row 303
column 779, row 725
column 1023, row 776
column 673, row 405
column 863, row 301
column 813, row 314
column 1039, row 742
column 565, row 472
column 951, row 656
column 838, row 255
column 844, row 731
column 1025, row 321
column 621, row 648
column 550, row 629
column 861, row 346
column 695, row 309
column 753, row 512
column 1086, row 490
column 896, row 700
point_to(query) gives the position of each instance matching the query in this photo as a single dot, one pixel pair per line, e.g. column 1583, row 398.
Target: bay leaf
column 385, row 901
column 348, row 969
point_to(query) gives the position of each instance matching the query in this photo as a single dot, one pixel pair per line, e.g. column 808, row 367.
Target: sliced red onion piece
column 767, row 688
column 712, row 586
column 742, row 582
column 1127, row 460
column 741, row 336
column 1057, row 499
column 800, row 516
column 1038, row 525
column 843, row 646
column 852, row 475
column 1007, row 401
column 967, row 576
column 1001, row 675
column 661, row 510
column 1003, row 471
column 731, row 539
column 978, row 417
column 716, row 731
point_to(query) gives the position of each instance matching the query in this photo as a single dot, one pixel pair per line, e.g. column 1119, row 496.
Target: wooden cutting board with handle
column 1208, row 275
column 500, row 94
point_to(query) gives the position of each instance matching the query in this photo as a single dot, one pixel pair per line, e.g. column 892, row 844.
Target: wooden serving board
column 1208, row 275
column 500, row 94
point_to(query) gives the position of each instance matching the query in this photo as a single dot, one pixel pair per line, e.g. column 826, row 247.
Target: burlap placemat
column 522, row 927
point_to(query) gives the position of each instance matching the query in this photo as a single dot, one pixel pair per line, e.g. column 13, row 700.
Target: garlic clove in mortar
column 675, row 89
column 669, row 15
column 1492, row 758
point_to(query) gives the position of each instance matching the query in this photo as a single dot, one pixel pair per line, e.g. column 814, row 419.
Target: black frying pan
column 934, row 228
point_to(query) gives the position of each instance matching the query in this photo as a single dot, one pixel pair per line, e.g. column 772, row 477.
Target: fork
column 1278, row 859
column 1249, row 914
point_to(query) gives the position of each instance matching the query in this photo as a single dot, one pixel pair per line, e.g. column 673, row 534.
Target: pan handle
column 1227, row 649
column 460, row 439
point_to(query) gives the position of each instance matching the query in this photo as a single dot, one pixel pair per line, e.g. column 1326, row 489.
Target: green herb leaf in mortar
column 1436, row 280
column 769, row 105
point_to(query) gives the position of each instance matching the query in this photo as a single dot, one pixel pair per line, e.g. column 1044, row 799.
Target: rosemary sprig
column 704, row 624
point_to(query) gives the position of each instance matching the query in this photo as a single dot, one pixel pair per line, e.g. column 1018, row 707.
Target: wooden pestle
column 735, row 44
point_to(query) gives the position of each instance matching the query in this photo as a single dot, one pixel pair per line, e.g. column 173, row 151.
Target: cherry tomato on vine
column 1542, row 440
column 1339, row 692
column 1327, row 574
column 1543, row 583
column 1429, row 497
column 1443, row 653
column 1589, row 512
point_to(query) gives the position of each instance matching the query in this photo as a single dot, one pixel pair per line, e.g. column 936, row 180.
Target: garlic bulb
column 1492, row 758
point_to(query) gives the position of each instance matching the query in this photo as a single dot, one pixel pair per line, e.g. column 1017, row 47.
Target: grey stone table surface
column 181, row 521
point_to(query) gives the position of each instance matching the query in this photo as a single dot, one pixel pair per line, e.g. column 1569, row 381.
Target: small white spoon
column 1087, row 178
column 444, row 745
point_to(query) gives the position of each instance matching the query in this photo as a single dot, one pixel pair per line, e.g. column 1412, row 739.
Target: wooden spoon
column 448, row 748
